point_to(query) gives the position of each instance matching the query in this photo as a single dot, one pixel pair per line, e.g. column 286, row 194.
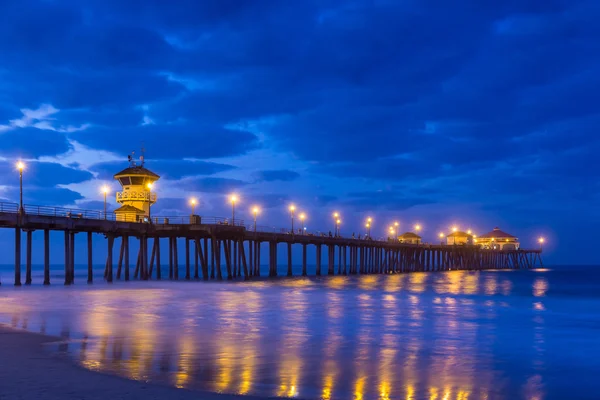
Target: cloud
column 82, row 157
column 172, row 169
column 40, row 119
column 276, row 175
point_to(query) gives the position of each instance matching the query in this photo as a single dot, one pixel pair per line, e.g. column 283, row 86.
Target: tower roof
column 409, row 235
column 128, row 209
column 137, row 170
column 496, row 234
column 459, row 234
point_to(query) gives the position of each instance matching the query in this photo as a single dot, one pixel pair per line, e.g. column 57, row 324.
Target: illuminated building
column 459, row 238
column 410, row 238
column 137, row 196
column 499, row 240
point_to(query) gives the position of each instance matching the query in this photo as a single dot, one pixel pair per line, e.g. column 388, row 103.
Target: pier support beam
column 289, row 259
column 303, row 259
column 318, row 263
column 175, row 260
column 90, row 278
column 197, row 252
column 46, row 257
column 158, row 271
column 170, row 258
column 109, row 259
column 126, row 256
column 67, row 257
column 28, row 258
column 187, row 260
column 72, row 258
column 18, row 256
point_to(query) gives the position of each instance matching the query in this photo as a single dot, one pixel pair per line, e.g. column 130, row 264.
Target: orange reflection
column 540, row 286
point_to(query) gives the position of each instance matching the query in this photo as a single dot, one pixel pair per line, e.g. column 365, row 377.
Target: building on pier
column 137, row 197
column 498, row 240
column 459, row 238
column 410, row 238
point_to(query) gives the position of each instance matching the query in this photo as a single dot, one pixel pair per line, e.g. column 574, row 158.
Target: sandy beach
column 29, row 372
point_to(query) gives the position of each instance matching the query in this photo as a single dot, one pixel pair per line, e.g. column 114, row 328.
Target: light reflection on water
column 456, row 335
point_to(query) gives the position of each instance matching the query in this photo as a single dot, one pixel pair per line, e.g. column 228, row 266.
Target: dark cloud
column 41, row 175
column 169, row 169
column 172, row 141
column 276, row 175
column 31, row 143
column 42, row 196
column 215, row 185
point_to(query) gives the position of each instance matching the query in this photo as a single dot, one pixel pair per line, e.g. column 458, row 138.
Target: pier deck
column 214, row 241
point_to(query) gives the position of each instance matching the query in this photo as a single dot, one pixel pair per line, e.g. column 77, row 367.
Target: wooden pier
column 213, row 244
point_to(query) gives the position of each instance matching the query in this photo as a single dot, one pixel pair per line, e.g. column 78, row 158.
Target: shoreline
column 29, row 372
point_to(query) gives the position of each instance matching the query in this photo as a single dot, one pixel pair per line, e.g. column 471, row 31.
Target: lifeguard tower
column 137, row 197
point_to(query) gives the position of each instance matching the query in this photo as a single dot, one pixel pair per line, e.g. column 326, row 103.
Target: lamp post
column 442, row 238
column 369, row 221
column 541, row 242
column 336, row 215
column 233, row 199
column 292, row 209
column 193, row 203
column 255, row 211
column 337, row 226
column 21, row 167
column 105, row 191
column 302, row 218
column 392, row 231
column 417, row 229
column 149, row 185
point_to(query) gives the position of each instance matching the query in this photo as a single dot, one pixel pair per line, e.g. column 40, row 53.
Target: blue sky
column 473, row 113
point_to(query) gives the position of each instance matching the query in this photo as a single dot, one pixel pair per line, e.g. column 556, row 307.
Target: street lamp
column 302, row 218
column 336, row 215
column 21, row 167
column 369, row 221
column 233, row 198
column 255, row 211
column 417, row 229
column 541, row 241
column 149, row 185
column 442, row 237
column 337, row 226
column 454, row 229
column 105, row 191
column 392, row 231
column 193, row 203
column 292, row 209
column 468, row 231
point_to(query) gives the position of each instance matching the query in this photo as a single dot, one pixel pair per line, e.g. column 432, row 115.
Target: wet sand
column 27, row 371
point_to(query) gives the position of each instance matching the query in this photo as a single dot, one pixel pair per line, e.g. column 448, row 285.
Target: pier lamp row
column 233, row 199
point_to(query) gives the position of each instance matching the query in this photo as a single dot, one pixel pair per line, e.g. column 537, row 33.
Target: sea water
column 438, row 336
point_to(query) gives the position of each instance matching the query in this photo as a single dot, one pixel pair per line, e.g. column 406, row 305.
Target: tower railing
column 136, row 195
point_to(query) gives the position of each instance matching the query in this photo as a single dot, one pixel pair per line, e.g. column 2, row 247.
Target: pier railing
column 78, row 213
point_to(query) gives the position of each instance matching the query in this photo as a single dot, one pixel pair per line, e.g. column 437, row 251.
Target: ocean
column 437, row 336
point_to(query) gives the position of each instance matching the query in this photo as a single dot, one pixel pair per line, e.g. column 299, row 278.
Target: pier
column 216, row 249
